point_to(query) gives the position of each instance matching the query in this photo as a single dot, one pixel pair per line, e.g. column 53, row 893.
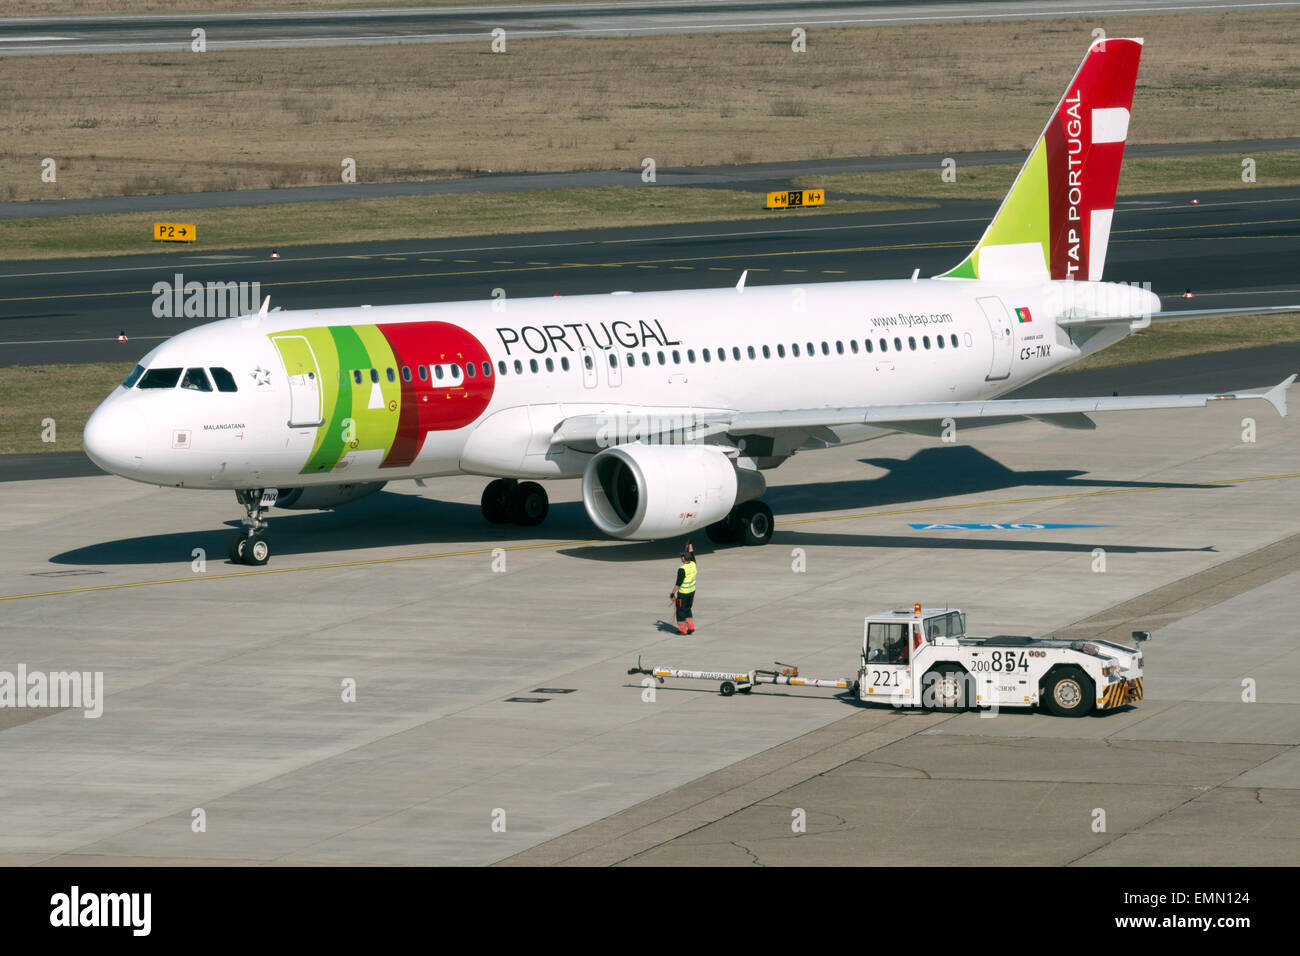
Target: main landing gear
column 508, row 500
column 250, row 545
column 749, row 523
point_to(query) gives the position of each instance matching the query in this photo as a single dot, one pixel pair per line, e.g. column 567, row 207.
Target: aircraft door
column 1003, row 340
column 588, row 361
column 304, row 380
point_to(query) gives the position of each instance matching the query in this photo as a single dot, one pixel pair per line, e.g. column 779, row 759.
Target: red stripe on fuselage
column 431, row 405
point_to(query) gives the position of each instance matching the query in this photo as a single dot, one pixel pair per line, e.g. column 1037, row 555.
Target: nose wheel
column 250, row 546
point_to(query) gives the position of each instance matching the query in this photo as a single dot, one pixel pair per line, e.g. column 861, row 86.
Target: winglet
column 740, row 286
column 1276, row 396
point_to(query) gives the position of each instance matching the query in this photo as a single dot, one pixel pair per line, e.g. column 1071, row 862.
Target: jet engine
column 322, row 497
column 647, row 492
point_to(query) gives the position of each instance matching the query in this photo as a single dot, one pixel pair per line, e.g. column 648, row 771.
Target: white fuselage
column 662, row 351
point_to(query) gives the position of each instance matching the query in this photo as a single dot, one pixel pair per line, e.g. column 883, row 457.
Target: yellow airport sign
column 175, row 231
column 793, row 198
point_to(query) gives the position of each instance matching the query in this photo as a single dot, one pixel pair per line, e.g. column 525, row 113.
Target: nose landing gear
column 250, row 545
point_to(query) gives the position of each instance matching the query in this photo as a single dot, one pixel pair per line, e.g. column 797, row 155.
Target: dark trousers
column 684, row 602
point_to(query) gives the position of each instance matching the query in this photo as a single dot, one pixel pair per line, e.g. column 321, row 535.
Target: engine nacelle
column 322, row 497
column 647, row 492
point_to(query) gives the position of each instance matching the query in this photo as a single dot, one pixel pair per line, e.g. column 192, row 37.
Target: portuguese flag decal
column 1023, row 315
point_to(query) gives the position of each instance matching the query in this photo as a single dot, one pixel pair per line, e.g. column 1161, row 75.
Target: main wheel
column 944, row 689
column 1069, row 692
column 528, row 503
column 496, row 501
column 236, row 549
column 753, row 523
column 720, row 533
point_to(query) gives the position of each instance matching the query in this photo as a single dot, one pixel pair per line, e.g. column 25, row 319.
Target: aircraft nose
column 109, row 439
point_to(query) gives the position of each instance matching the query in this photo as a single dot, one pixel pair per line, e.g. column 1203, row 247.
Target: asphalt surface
column 253, row 31
column 758, row 177
column 1235, row 248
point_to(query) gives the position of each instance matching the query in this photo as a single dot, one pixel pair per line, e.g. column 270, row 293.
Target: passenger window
column 455, row 373
column 374, row 376
column 437, row 372
column 587, row 362
column 826, row 349
column 645, row 358
column 911, row 342
column 519, row 367
column 550, row 365
column 613, row 360
column 735, row 352
column 677, row 357
column 853, row 344
column 690, row 355
column 406, row 373
column 225, row 382
column 470, row 370
column 938, row 340
column 749, row 350
column 532, row 365
column 898, row 344
column 631, row 360
column 794, row 349
column 564, row 363
column 925, row 340
column 780, row 350
column 866, row 344
column 501, row 366
column 134, row 377
column 767, row 352
column 391, row 374
column 839, row 348
column 356, row 375
column 196, row 380
column 161, row 378
column 487, row 369
column 424, row 373
column 661, row 358
column 722, row 355
column 884, row 345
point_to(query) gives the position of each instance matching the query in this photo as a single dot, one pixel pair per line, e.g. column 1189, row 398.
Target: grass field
column 83, row 8
column 420, row 217
column 69, row 393
column 165, row 122
column 1140, row 177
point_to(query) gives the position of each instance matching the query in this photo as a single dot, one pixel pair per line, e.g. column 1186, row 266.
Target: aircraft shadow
column 387, row 519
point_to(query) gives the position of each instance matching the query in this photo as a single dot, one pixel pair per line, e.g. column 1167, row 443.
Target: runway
column 224, row 685
column 278, row 30
column 1233, row 248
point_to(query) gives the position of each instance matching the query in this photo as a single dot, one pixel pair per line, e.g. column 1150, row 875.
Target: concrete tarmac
column 225, row 686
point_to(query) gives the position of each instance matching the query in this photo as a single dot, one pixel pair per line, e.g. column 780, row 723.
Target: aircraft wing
column 887, row 415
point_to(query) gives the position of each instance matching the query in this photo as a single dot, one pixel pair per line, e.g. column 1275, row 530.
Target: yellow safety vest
column 688, row 579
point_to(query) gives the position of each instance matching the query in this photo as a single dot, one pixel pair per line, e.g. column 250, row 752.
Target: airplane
column 669, row 405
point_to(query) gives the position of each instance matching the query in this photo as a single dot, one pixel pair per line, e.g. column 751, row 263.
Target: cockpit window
column 130, row 380
column 224, row 380
column 161, row 378
column 196, row 380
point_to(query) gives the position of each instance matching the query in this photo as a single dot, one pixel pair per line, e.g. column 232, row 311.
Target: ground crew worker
column 683, row 592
